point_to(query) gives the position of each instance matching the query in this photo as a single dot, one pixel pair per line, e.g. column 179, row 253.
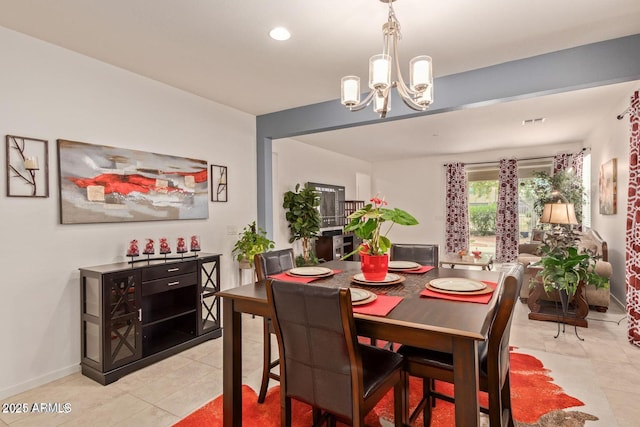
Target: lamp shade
column 559, row 213
column 420, row 73
column 380, row 71
column 350, row 90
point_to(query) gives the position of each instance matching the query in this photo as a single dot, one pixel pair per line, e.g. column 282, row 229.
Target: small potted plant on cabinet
column 304, row 220
column 253, row 240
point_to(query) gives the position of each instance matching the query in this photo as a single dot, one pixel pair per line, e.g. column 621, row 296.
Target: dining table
column 432, row 323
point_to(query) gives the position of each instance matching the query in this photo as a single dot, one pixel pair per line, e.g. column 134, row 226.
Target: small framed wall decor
column 218, row 183
column 608, row 184
column 27, row 167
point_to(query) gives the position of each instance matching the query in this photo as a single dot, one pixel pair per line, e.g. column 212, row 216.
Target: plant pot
column 374, row 267
column 244, row 264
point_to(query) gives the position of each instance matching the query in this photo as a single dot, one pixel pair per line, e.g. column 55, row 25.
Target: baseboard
column 36, row 382
column 620, row 303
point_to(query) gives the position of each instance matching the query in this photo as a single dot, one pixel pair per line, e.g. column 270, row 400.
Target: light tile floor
column 165, row 392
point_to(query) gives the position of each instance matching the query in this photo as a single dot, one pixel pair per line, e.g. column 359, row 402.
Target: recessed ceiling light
column 280, row 34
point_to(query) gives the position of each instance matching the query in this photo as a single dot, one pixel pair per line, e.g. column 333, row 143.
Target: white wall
column 49, row 93
column 610, row 139
column 418, row 186
column 296, row 163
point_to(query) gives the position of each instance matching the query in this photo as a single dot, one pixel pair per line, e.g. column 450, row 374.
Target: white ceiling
column 220, row 50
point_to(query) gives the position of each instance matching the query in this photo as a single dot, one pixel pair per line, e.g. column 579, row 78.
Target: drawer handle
column 171, row 270
column 173, row 283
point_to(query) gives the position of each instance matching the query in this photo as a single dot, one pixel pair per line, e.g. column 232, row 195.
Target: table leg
column 465, row 377
column 232, row 366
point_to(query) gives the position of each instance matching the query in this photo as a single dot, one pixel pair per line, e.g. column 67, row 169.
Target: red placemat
column 381, row 306
column 420, row 270
column 288, row 278
column 481, row 299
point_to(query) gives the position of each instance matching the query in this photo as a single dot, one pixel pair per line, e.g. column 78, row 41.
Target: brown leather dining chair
column 424, row 254
column 321, row 361
column 494, row 368
column 266, row 264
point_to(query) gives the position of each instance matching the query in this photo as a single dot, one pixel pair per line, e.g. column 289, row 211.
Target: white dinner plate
column 390, row 277
column 310, row 271
column 359, row 294
column 457, row 284
column 404, row 265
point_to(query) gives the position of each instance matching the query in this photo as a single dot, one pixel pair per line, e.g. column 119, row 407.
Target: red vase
column 374, row 267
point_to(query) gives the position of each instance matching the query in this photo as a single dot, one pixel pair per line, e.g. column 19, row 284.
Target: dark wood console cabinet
column 136, row 314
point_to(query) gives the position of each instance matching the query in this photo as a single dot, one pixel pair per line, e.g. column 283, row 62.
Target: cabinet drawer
column 167, row 270
column 169, row 283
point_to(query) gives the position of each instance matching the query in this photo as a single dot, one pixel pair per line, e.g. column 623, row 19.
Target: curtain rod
column 624, row 113
column 582, row 150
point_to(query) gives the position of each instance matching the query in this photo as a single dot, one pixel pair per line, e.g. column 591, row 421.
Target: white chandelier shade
column 418, row 95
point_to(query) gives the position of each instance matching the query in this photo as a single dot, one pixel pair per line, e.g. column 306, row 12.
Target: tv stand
column 335, row 246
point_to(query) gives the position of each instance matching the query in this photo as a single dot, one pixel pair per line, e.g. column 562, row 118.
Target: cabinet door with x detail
column 123, row 318
column 209, row 306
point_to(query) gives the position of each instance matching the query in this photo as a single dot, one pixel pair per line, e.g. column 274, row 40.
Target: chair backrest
column 273, row 262
column 320, row 361
column 425, row 254
column 500, row 330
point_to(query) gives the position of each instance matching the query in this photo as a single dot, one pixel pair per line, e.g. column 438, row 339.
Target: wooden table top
column 414, row 312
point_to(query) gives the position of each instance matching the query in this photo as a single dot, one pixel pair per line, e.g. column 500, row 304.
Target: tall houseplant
column 303, row 216
column 366, row 223
column 546, row 187
column 253, row 240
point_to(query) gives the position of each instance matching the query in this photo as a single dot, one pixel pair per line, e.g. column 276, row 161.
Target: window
column 483, row 198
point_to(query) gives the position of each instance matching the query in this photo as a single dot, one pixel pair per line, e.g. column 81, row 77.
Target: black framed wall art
column 27, row 166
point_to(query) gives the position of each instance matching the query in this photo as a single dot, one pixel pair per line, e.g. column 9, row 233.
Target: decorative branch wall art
column 608, row 187
column 218, row 183
column 27, row 167
column 109, row 184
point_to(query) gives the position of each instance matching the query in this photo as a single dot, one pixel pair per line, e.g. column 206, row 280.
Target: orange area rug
column 533, row 395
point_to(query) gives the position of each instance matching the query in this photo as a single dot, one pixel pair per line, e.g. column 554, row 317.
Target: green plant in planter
column 546, row 187
column 253, row 240
column 564, row 267
column 303, row 216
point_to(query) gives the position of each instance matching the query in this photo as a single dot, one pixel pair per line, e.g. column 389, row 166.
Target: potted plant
column 303, row 216
column 546, row 187
column 565, row 268
column 253, row 240
column 366, row 223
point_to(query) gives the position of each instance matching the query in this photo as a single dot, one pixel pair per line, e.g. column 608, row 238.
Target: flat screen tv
column 331, row 205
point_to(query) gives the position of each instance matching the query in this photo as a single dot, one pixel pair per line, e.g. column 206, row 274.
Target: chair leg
column 399, row 397
column 285, row 412
column 266, row 362
column 427, row 386
column 495, row 404
column 506, row 400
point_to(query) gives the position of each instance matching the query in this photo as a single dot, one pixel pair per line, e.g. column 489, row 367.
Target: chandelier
column 418, row 95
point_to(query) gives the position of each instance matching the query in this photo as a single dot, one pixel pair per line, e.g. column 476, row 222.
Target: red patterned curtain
column 633, row 226
column 507, row 224
column 457, row 227
column 576, row 162
column 561, row 162
column 564, row 161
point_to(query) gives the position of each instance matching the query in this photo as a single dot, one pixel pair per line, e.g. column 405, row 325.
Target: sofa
column 598, row 299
